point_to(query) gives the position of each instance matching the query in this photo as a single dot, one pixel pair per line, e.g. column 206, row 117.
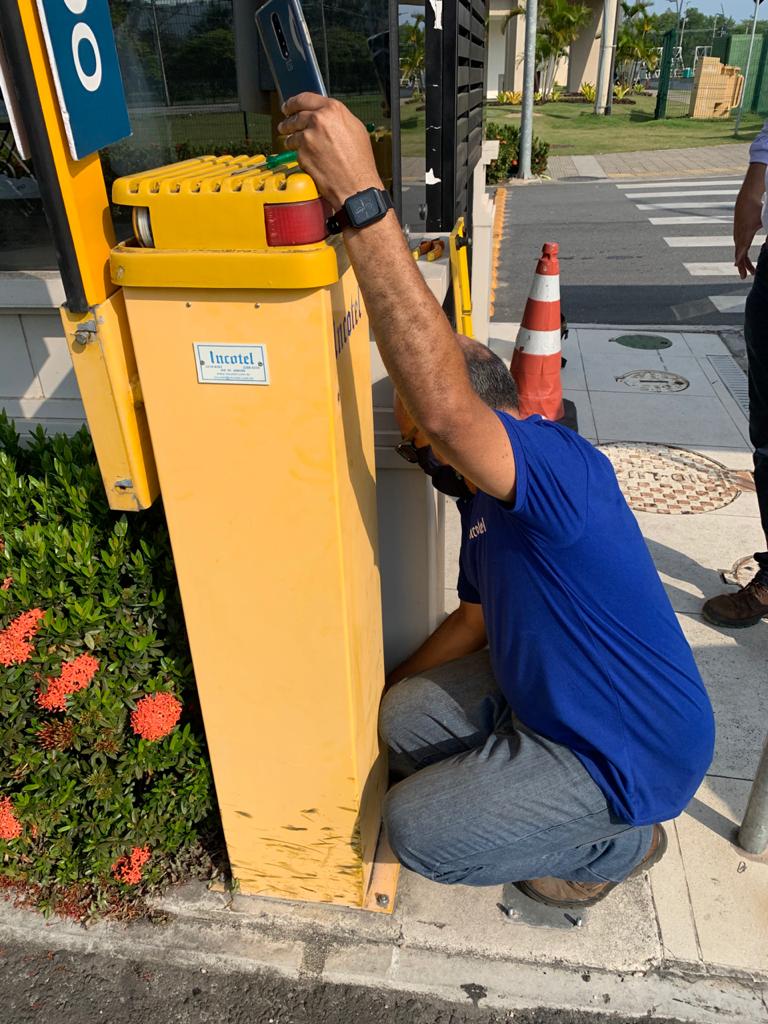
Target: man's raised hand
column 332, row 145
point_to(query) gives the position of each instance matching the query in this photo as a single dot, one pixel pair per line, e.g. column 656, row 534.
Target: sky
column 735, row 8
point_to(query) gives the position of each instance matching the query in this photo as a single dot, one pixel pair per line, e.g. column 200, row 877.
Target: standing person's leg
column 515, row 806
column 750, row 604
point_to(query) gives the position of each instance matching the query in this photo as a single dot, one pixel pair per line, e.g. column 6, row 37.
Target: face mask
column 444, row 478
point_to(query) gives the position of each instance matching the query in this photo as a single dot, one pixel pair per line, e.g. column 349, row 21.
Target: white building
column 506, row 45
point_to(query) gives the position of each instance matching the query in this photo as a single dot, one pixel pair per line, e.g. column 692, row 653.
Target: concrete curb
column 206, row 933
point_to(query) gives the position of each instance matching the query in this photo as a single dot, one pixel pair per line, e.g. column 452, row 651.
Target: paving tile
column 730, row 907
column 732, row 665
column 586, row 421
column 733, row 458
column 17, row 375
column 690, row 551
column 654, row 418
column 45, row 409
column 602, row 369
column 596, row 340
column 50, row 356
column 673, row 906
column 618, row 934
column 705, row 344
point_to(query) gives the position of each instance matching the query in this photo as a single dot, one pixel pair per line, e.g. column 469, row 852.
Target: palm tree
column 559, row 24
column 413, row 60
column 634, row 46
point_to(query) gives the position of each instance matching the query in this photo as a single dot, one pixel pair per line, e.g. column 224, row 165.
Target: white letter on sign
column 76, row 6
column 84, row 33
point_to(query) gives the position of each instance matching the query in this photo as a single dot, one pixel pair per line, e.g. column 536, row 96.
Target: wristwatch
column 360, row 210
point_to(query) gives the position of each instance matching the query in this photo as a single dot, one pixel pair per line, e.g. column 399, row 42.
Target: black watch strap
column 341, row 219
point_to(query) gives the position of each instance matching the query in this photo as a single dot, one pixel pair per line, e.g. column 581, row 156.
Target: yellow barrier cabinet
column 253, row 352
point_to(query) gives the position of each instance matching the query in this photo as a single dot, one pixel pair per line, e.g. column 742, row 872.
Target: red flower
column 75, row 675
column 15, row 646
column 6, row 585
column 128, row 867
column 155, row 716
column 10, row 826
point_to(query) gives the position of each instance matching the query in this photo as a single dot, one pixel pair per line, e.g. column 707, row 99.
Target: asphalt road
column 59, row 987
column 617, row 267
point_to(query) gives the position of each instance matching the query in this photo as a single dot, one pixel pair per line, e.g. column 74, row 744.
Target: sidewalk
column 660, row 163
column 687, row 942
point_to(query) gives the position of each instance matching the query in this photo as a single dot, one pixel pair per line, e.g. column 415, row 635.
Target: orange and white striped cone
column 536, row 360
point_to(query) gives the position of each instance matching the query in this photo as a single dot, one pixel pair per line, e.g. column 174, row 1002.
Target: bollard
column 753, row 834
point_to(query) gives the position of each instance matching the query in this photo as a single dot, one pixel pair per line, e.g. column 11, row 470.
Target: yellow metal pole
column 77, row 208
column 462, row 297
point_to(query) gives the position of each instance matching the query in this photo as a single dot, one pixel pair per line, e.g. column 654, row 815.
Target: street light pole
column 740, row 111
column 529, row 70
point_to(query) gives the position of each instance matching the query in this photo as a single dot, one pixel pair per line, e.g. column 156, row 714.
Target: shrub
column 638, row 88
column 513, row 99
column 105, row 786
column 556, row 92
column 509, row 152
column 588, row 92
column 620, row 92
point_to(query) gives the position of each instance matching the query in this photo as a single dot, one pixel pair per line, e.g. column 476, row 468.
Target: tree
column 636, row 45
column 559, row 25
column 413, row 53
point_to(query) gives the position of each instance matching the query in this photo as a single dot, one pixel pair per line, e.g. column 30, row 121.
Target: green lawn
column 572, row 129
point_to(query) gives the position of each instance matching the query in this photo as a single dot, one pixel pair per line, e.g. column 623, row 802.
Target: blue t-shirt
column 583, row 640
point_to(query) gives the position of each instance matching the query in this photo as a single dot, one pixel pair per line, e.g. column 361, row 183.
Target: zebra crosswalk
column 697, row 206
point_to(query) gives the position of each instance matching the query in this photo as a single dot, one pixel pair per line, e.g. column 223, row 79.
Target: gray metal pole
column 159, row 47
column 753, row 834
column 605, row 66
column 740, row 111
column 526, row 112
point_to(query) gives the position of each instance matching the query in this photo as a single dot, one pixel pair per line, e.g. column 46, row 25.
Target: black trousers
column 756, row 336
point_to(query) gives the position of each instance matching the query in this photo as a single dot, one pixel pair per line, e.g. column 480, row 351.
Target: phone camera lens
column 278, row 30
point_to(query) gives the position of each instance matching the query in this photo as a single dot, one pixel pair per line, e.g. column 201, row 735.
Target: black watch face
column 364, row 207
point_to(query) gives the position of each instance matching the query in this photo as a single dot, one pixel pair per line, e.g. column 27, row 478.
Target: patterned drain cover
column 646, row 341
column 671, row 481
column 653, row 380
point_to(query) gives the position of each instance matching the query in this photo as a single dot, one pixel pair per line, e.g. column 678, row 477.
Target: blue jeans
column 483, row 800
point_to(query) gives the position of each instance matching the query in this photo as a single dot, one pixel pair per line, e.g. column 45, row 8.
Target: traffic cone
column 536, row 359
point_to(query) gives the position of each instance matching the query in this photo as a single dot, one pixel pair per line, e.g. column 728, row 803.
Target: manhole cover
column 653, row 380
column 646, row 341
column 671, row 481
column 741, row 572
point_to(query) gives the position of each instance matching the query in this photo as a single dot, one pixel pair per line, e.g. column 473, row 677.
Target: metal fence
column 693, row 80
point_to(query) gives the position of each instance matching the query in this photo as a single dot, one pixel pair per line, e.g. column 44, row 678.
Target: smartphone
column 291, row 56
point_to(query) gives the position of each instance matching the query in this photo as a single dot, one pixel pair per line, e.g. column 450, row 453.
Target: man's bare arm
column 417, row 344
column 747, row 217
column 462, row 633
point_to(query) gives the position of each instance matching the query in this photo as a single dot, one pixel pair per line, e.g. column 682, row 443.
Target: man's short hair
column 489, row 376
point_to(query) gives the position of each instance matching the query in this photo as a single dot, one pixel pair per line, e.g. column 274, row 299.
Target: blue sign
column 81, row 49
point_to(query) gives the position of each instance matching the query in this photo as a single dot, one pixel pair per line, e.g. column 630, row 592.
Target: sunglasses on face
column 407, row 449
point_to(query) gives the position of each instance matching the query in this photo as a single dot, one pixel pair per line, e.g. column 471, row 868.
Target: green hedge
column 509, row 152
column 105, row 785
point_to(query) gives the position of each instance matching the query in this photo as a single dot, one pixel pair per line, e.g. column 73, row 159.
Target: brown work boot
column 558, row 892
column 744, row 608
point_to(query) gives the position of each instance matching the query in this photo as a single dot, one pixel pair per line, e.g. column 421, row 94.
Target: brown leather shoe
column 656, row 851
column 744, row 608
column 559, row 892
